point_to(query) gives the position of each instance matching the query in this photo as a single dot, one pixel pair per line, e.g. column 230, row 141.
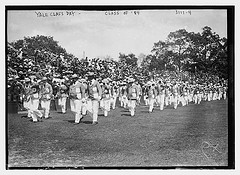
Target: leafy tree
column 194, row 52
column 208, row 51
column 130, row 59
column 178, row 42
column 37, row 52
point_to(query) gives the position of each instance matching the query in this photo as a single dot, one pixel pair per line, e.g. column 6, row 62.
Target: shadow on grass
column 125, row 114
column 73, row 121
column 70, row 121
column 86, row 122
column 125, row 110
column 24, row 116
column 145, row 112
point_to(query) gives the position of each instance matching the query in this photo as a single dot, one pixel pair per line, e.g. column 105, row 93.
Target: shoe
column 76, row 123
column 80, row 120
column 95, row 123
column 48, row 118
column 25, row 116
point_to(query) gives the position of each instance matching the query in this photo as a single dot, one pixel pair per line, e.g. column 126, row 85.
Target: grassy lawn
column 194, row 135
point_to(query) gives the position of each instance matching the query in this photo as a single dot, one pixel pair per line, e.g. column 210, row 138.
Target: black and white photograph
column 119, row 87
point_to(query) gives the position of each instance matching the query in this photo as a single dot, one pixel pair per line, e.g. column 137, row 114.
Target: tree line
column 182, row 51
column 204, row 52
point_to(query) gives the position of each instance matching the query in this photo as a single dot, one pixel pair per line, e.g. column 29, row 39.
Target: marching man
column 35, row 96
column 160, row 95
column 77, row 95
column 140, row 93
column 123, row 95
column 27, row 97
column 95, row 93
column 152, row 93
column 46, row 94
column 214, row 97
column 72, row 96
column 145, row 95
column 133, row 94
column 184, row 96
column 175, row 91
column 114, row 93
column 84, row 100
column 210, row 95
column 196, row 95
column 167, row 98
column 220, row 92
column 106, row 96
column 224, row 92
column 62, row 97
column 120, row 93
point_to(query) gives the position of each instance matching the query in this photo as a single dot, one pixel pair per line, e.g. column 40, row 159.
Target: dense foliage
column 182, row 51
column 202, row 52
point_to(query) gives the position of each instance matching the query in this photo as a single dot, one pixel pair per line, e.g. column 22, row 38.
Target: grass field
column 196, row 135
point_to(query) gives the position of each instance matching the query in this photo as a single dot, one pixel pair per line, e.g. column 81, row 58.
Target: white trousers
column 76, row 108
column 132, row 106
column 46, row 107
column 146, row 100
column 120, row 100
column 167, row 100
column 224, row 95
column 139, row 99
column 93, row 106
column 125, row 101
column 185, row 100
column 27, row 105
column 151, row 104
column 160, row 100
column 215, row 96
column 220, row 94
column 84, row 108
column 175, row 100
column 208, row 97
column 197, row 98
column 204, row 97
column 113, row 102
column 34, row 109
column 62, row 103
column 190, row 97
column 106, row 106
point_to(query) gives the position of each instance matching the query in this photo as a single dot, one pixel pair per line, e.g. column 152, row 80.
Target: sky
column 107, row 33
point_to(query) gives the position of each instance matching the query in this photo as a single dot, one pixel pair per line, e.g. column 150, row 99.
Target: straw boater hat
column 105, row 80
column 44, row 79
column 27, row 80
column 74, row 76
column 91, row 75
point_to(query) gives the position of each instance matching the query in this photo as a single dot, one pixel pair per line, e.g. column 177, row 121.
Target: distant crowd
column 95, row 84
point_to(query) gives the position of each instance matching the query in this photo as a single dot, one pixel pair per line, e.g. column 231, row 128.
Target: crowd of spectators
column 20, row 66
